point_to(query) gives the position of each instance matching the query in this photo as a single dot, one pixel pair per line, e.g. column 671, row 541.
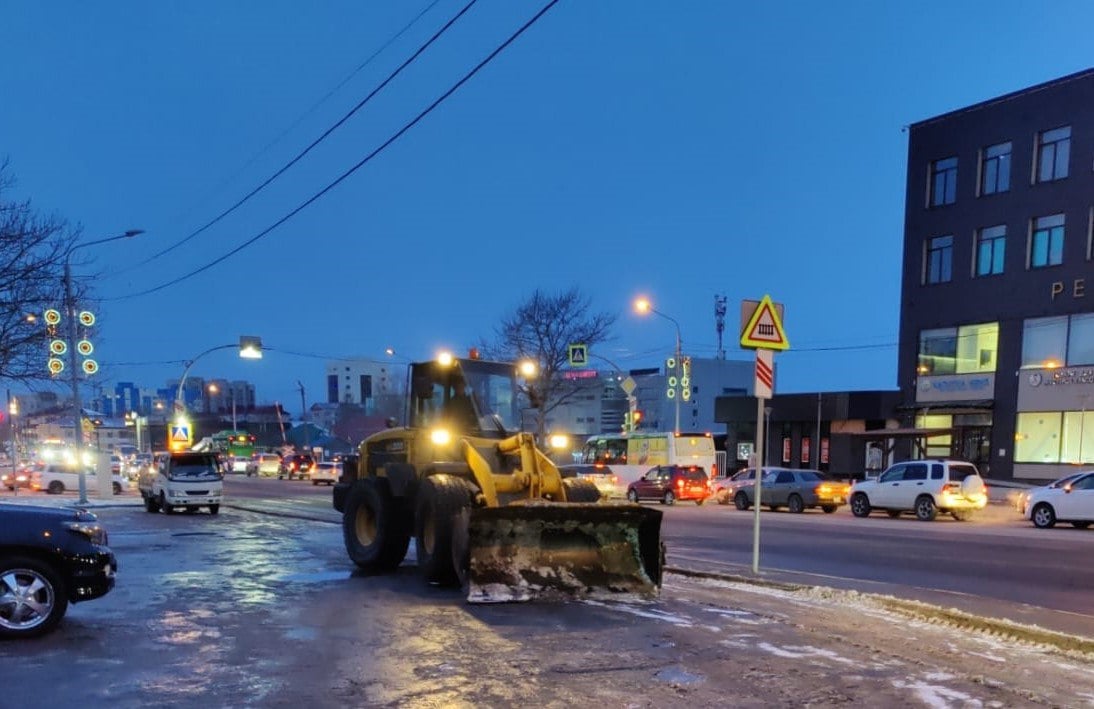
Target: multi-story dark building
column 996, row 315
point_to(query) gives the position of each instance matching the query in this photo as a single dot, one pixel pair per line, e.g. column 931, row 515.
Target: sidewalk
column 69, row 499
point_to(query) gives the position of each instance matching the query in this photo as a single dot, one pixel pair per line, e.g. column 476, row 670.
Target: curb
column 1072, row 644
column 279, row 513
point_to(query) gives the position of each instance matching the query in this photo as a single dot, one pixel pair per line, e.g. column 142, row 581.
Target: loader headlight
column 440, row 436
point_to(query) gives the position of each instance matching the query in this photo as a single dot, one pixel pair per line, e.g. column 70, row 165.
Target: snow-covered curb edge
column 951, row 617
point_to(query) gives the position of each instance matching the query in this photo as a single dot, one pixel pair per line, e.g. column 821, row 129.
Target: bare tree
column 542, row 328
column 32, row 259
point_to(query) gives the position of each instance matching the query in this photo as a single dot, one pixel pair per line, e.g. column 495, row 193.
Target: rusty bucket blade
column 552, row 550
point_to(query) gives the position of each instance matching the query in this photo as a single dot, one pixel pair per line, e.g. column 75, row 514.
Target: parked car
column 24, row 478
column 669, row 483
column 49, row 557
column 1073, row 502
column 264, row 465
column 185, row 480
column 56, row 479
column 1021, row 500
column 610, row 485
column 297, row 464
column 925, row 487
column 795, row 489
column 326, row 472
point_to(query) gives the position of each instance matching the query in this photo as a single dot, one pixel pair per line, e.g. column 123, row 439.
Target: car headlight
column 91, row 530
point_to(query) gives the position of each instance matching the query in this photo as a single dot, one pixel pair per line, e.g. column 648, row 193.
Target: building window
column 995, row 169
column 958, row 350
column 1044, row 342
column 939, row 259
column 1054, row 437
column 1037, row 437
column 1046, row 247
column 990, row 245
column 943, row 182
column 940, row 446
column 1077, row 437
column 1053, row 152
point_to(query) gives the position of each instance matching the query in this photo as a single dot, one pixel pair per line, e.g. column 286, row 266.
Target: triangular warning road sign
column 765, row 329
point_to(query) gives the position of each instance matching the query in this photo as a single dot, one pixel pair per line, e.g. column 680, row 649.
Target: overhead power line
column 299, row 156
column 365, row 160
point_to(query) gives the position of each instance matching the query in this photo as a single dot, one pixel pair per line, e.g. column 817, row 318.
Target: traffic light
column 628, row 423
column 636, row 418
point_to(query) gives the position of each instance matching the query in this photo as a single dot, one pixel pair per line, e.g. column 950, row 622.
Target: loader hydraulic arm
column 536, row 477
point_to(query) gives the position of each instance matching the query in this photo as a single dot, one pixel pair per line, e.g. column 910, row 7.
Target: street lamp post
column 644, row 306
column 74, row 375
column 13, row 410
column 250, row 347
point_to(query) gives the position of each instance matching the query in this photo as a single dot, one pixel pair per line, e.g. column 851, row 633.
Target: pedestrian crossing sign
column 579, row 355
column 180, row 434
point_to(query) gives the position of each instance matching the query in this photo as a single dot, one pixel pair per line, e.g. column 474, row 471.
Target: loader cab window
column 478, row 398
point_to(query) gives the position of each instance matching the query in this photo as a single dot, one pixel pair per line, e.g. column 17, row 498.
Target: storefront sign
column 1076, row 288
column 955, row 387
column 1057, row 389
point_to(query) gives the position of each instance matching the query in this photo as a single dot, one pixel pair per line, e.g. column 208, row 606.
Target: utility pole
column 13, row 410
column 720, row 322
column 304, row 417
column 816, row 443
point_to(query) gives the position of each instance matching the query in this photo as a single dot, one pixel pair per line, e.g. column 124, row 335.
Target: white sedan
column 1071, row 502
column 326, row 472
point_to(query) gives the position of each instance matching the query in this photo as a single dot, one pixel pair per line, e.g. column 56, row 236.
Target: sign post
column 762, row 330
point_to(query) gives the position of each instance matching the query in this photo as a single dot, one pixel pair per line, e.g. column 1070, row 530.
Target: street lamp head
column 527, row 368
column 213, row 388
column 642, row 306
column 250, row 347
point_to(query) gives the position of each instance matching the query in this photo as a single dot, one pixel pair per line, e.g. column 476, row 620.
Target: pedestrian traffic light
column 628, row 423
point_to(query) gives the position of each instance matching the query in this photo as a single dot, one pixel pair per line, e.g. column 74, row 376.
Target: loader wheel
column 441, row 499
column 375, row 526
column 579, row 490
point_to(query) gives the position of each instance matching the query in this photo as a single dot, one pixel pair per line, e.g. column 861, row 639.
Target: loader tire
column 441, row 502
column 375, row 527
column 579, row 490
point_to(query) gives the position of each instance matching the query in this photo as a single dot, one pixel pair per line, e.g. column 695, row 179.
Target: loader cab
column 469, row 397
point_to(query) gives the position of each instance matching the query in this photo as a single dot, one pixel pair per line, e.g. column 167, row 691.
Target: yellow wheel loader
column 486, row 509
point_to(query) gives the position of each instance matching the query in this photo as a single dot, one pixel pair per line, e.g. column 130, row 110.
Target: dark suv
column 669, row 483
column 49, row 557
column 299, row 465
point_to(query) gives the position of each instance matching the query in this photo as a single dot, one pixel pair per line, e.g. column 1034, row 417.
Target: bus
column 631, row 455
column 238, row 446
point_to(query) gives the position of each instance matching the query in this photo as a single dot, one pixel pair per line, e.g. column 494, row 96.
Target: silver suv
column 925, row 487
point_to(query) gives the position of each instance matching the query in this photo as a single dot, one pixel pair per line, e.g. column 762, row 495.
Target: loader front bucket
column 540, row 549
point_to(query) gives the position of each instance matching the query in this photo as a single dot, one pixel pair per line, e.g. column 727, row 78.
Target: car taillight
column 714, row 470
column 951, row 488
column 615, row 479
column 679, row 482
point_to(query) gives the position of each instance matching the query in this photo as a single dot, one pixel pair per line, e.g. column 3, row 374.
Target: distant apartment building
column 996, row 315
column 365, row 382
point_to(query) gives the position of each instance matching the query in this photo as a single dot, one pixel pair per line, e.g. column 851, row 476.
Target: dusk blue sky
column 679, row 150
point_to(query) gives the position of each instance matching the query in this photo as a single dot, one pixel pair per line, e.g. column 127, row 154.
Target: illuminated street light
column 527, row 368
column 643, row 306
column 74, row 371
